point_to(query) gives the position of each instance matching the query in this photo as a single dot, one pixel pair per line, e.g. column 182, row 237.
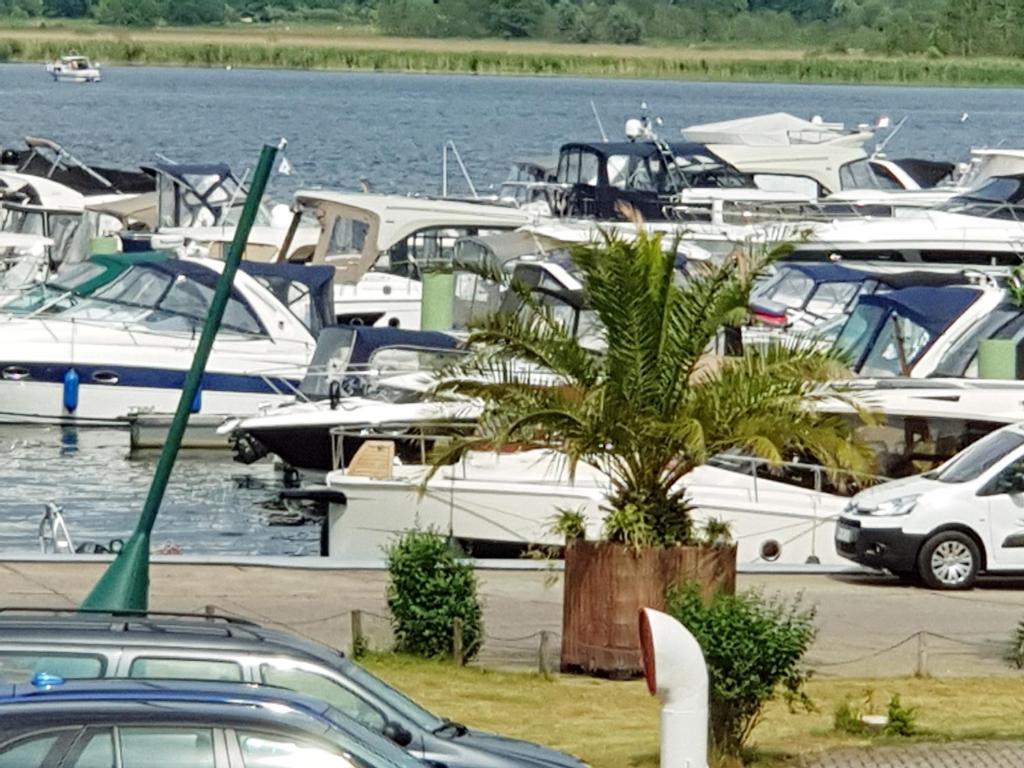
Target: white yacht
column 780, row 516
column 74, row 68
column 124, row 346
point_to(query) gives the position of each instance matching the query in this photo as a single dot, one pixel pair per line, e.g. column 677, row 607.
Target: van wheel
column 949, row 560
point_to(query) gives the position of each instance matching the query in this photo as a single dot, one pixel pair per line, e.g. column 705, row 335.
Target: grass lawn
column 615, row 724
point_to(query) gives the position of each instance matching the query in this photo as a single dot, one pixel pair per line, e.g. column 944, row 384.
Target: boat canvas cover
column 831, row 273
column 779, row 129
column 318, row 280
column 342, row 348
column 934, row 309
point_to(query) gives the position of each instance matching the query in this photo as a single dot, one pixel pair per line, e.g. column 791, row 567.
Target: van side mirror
column 397, row 733
column 1010, row 481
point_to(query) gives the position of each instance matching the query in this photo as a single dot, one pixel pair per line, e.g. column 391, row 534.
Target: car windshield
column 980, row 457
column 369, row 749
column 393, row 698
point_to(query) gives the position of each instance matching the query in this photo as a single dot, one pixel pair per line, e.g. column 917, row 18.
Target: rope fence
column 919, row 653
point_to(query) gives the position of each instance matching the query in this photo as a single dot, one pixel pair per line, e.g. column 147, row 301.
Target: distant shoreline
column 318, row 48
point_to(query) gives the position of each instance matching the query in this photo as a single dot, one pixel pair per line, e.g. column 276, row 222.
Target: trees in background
column 935, row 27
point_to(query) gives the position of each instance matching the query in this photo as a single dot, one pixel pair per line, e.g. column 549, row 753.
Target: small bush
column 429, row 589
column 902, row 720
column 753, row 646
column 846, row 719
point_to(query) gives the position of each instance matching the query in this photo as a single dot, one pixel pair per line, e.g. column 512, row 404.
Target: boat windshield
column 980, row 457
column 24, row 221
column 895, row 348
column 55, row 295
column 162, row 302
column 999, row 198
column 859, row 331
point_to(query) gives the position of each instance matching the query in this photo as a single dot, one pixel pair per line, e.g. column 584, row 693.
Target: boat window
column 589, row 169
column 961, row 359
column 410, row 359
column 348, row 237
column 858, row 331
column 24, row 222
column 830, row 298
column 69, row 237
column 857, row 175
column 792, row 289
column 910, row 445
column 631, row 172
column 900, row 341
column 137, row 287
column 980, row 457
column 798, row 185
column 884, row 178
column 569, row 167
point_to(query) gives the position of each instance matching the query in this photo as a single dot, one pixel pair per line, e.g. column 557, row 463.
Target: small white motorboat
column 74, row 69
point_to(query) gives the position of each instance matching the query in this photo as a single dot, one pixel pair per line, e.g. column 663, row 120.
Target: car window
column 185, row 669
column 286, row 675
column 96, row 750
column 182, row 747
column 18, row 666
column 391, row 697
column 39, row 750
column 263, row 751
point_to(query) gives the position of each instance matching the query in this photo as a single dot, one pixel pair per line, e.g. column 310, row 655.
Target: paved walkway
column 982, row 754
column 867, row 627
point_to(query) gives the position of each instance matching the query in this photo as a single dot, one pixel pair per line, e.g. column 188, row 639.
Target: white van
column 948, row 525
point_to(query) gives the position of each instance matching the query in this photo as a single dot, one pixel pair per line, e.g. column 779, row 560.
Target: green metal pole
column 125, row 584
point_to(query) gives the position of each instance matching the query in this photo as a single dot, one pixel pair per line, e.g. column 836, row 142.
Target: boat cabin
column 198, row 195
column 886, row 334
column 49, row 160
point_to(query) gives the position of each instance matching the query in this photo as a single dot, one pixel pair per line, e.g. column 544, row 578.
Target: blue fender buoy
column 71, row 382
column 197, row 401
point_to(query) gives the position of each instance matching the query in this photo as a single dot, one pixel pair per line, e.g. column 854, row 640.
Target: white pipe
column 677, row 674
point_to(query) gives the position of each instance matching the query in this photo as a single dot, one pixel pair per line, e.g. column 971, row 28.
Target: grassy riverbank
column 340, row 49
column 615, row 724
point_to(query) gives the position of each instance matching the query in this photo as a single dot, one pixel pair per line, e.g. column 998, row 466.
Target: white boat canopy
column 778, row 129
column 357, row 227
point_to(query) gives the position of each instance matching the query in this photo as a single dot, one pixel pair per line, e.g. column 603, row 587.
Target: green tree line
column 936, row 27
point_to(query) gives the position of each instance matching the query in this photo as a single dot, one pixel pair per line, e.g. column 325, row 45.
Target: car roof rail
column 129, row 614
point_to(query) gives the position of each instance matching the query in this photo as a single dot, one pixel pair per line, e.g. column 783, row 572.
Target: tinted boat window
column 900, row 341
column 979, row 458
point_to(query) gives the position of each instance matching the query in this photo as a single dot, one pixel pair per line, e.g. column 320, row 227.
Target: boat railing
column 449, row 147
column 420, row 439
column 353, row 380
column 719, row 211
column 813, row 477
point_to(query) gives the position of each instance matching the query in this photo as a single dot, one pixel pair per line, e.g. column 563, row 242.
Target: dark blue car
column 50, row 723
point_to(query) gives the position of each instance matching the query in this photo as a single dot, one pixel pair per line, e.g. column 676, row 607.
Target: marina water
column 342, row 127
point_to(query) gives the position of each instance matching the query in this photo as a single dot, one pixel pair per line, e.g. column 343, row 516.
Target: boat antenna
column 600, row 127
column 880, row 148
column 164, row 158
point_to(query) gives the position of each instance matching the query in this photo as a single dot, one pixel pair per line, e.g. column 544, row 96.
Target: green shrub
column 429, row 589
column 753, row 646
column 902, row 720
column 846, row 719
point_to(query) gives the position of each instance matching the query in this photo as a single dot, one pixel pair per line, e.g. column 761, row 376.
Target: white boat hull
column 773, row 525
column 86, row 76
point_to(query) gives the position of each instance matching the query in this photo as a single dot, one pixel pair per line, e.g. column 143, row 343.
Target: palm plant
column 653, row 403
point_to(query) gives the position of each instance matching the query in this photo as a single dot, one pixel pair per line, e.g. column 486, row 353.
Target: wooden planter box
column 607, row 584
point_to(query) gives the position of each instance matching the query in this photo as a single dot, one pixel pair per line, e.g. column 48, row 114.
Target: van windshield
column 983, row 455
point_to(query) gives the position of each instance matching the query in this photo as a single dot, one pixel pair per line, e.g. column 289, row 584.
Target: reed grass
column 281, row 50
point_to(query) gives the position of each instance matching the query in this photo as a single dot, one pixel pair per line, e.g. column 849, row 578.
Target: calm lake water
column 389, row 129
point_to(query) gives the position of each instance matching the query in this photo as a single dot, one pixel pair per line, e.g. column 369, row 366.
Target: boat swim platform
column 868, row 625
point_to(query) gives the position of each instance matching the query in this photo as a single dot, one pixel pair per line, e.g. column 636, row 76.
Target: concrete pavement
column 868, row 626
